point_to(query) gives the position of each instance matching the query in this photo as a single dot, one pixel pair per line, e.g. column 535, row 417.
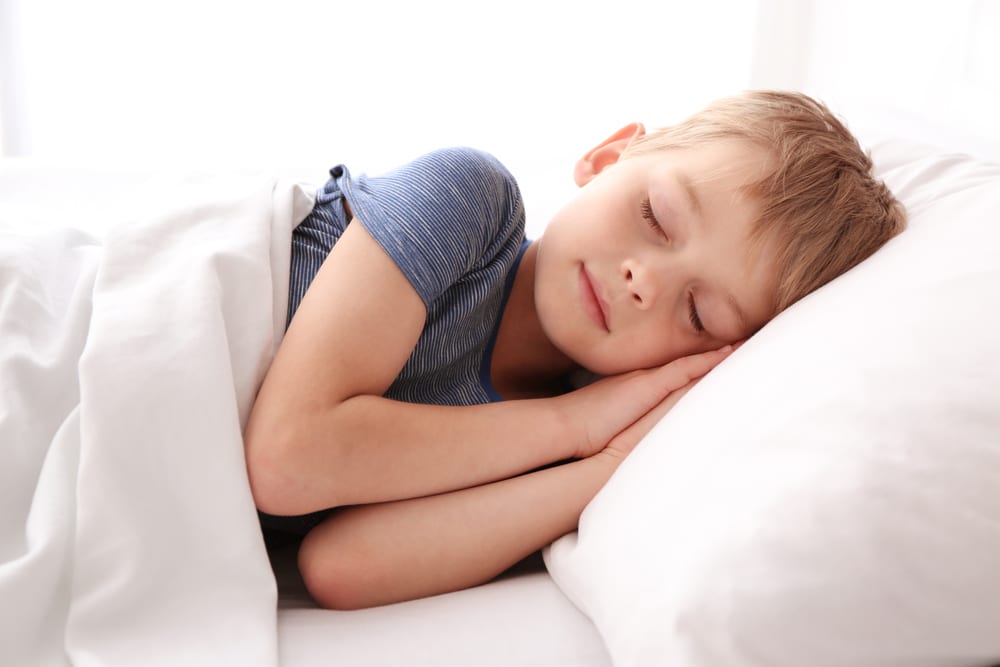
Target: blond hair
column 822, row 210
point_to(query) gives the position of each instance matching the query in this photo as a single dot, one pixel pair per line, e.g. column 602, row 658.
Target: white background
column 297, row 80
column 312, row 83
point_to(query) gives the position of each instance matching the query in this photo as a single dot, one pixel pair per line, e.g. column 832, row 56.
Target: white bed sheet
column 521, row 618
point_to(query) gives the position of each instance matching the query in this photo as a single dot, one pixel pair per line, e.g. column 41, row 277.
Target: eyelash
column 693, row 315
column 647, row 214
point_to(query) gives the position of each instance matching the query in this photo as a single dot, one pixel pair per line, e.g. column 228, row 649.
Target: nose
column 640, row 282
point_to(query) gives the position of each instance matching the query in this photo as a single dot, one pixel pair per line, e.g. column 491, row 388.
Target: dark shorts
column 279, row 530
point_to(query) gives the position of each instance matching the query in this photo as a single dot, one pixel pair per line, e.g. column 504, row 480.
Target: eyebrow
column 731, row 300
column 690, row 194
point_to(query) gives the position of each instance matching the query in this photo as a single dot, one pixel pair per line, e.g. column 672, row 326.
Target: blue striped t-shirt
column 453, row 221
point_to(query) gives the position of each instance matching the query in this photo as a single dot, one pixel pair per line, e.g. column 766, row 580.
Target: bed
column 846, row 511
column 854, row 524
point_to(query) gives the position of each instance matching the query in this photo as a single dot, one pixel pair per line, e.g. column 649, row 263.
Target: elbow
column 264, row 472
column 273, row 456
column 340, row 573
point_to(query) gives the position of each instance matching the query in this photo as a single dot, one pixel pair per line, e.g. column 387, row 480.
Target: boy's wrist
column 568, row 435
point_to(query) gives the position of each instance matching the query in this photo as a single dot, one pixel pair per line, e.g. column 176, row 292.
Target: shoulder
column 471, row 167
column 482, row 196
column 440, row 216
column 462, row 189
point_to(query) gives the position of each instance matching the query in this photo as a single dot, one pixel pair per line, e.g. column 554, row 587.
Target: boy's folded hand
column 623, row 443
column 608, row 408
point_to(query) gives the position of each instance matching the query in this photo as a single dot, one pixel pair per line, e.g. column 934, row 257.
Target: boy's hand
column 623, row 443
column 609, row 407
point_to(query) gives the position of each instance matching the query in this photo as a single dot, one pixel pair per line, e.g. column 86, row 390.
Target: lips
column 593, row 305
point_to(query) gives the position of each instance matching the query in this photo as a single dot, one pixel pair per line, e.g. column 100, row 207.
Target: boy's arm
column 377, row 554
column 321, row 435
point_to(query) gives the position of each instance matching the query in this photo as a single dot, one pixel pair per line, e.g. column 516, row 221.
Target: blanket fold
column 129, row 365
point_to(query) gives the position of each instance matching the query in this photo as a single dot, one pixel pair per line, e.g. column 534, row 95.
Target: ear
column 606, row 153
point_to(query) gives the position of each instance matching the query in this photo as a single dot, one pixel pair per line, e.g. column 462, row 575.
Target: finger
column 681, row 371
column 625, row 441
column 608, row 406
column 676, row 395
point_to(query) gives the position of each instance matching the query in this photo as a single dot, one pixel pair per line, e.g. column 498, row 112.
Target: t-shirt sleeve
column 439, row 217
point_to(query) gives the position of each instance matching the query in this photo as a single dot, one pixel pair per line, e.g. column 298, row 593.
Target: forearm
column 377, row 554
column 371, row 449
column 367, row 449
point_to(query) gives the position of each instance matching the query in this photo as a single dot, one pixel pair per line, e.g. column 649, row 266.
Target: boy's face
column 651, row 260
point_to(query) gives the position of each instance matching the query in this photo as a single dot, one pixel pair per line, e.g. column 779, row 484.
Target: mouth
column 593, row 305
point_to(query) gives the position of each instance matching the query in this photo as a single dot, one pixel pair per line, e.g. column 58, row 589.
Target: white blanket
column 128, row 366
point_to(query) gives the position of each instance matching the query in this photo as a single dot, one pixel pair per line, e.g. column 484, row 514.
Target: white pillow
column 829, row 495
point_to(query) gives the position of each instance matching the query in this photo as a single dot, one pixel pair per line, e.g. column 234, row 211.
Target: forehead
column 731, row 163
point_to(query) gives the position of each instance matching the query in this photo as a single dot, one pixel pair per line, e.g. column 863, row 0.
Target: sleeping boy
column 410, row 424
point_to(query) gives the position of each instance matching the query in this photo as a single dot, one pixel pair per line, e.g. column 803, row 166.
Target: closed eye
column 650, row 217
column 693, row 315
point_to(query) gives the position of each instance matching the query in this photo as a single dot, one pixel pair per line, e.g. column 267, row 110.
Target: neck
column 525, row 363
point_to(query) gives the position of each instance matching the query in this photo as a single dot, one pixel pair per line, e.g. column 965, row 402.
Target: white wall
column 259, row 80
column 922, row 70
column 307, row 83
column 314, row 82
column 310, row 81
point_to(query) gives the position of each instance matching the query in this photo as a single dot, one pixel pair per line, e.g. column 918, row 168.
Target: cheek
column 554, row 299
column 591, row 222
column 656, row 343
